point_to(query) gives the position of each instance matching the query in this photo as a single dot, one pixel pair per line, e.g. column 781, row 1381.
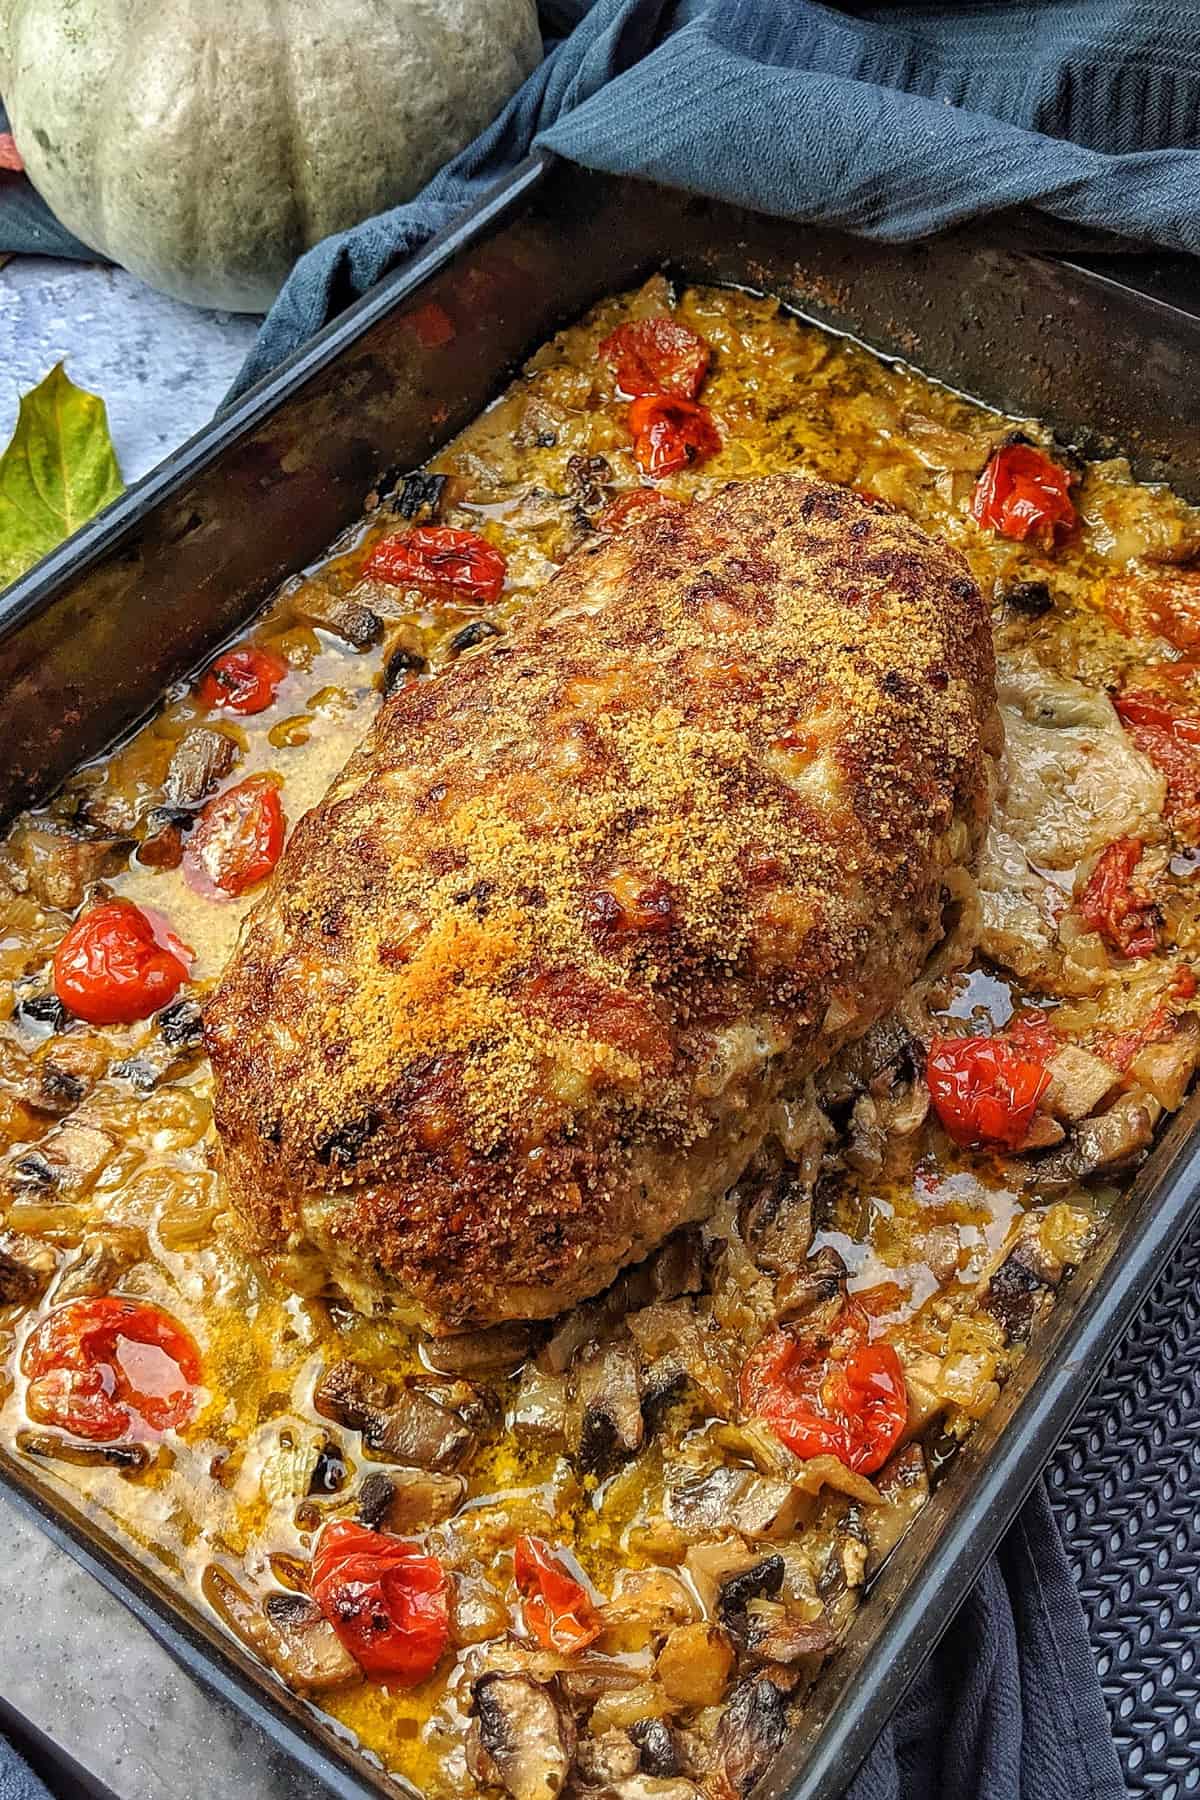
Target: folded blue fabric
column 17, row 1779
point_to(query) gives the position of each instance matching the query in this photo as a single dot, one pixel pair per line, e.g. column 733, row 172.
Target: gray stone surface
column 72, row 1659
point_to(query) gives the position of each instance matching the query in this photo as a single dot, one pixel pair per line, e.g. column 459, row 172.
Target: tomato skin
column 1160, row 713
column 1110, row 907
column 656, row 356
column 845, row 1399
column 83, row 1375
column 386, row 1599
column 985, row 1090
column 237, row 840
column 557, row 1609
column 670, row 434
column 244, row 680
column 1022, row 494
column 450, row 564
column 635, row 507
column 118, row 964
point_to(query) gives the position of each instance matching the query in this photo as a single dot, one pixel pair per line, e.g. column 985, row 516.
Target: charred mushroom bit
column 487, row 1206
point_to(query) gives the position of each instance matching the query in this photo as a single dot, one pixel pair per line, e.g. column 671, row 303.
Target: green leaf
column 59, row 468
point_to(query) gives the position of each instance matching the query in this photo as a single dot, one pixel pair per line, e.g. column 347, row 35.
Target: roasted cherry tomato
column 1110, row 906
column 1023, row 494
column 1120, row 1048
column 985, row 1090
column 1165, row 605
column 244, row 680
column 671, row 434
column 237, row 839
column 631, row 509
column 1161, row 712
column 386, row 1599
column 840, row 1397
column 656, row 356
column 106, row 1368
column 557, row 1609
column 118, row 963
column 453, row 565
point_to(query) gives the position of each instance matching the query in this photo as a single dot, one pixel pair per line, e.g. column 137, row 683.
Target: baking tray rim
column 1162, row 1203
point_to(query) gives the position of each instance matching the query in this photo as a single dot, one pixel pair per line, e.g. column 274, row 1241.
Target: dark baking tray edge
column 914, row 1597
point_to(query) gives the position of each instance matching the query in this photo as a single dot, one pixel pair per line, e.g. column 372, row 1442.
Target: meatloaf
column 530, row 982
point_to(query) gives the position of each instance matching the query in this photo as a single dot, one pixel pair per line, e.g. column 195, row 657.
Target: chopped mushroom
column 1079, row 1081
column 498, row 1350
column 1107, row 1143
column 341, row 615
column 399, row 1425
column 903, row 1483
column 776, row 1223
column 751, row 1731
column 523, row 1740
column 103, row 1258
column 773, row 1634
column 816, row 1291
column 659, row 1748
column 199, row 763
column 611, row 1757
column 604, row 1416
column 676, row 1268
column 409, row 1499
column 757, row 1506
column 540, row 1408
column 289, row 1632
column 761, row 1581
column 26, row 1267
column 63, row 862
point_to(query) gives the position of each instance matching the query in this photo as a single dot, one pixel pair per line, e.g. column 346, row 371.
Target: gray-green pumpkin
column 205, row 143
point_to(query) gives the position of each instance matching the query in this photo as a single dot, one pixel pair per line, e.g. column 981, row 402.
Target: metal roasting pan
column 143, row 594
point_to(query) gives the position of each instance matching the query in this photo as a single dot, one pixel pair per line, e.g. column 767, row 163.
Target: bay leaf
column 57, row 471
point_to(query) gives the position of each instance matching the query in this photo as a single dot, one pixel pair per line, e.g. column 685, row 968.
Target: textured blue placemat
column 1126, row 1489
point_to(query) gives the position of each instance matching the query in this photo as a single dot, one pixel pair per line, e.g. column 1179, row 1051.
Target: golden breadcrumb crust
column 526, row 982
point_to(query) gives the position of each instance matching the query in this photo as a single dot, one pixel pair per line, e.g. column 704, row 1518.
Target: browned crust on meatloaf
column 526, row 980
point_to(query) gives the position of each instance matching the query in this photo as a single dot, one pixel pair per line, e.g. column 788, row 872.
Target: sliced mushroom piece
column 676, row 1268
column 63, row 861
column 339, row 614
column 710, row 1564
column 604, row 1416
column 1107, row 1143
column 659, row 1749
column 200, row 761
column 26, row 1267
column 523, row 1739
column 777, row 1224
column 177, row 1042
column 751, row 1731
column 540, row 1408
column 409, row 1499
column 611, row 1757
column 290, row 1632
column 50, row 1088
column 816, row 1291
column 903, row 1485
column 761, row 1581
column 103, row 1258
column 773, row 1634
column 756, row 1506
column 68, row 1159
column 129, row 1459
column 400, row 1425
column 498, row 1350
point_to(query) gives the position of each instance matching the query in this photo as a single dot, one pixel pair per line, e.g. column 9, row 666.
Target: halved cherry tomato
column 557, row 1609
column 1022, row 493
column 387, row 1600
column 1110, row 906
column 1120, row 1048
column 671, row 434
column 119, row 963
column 984, row 1089
column 237, row 840
column 630, row 509
column 1161, row 713
column 244, row 680
column 656, row 356
column 842, row 1397
column 106, row 1368
column 1032, row 1034
column 1165, row 605
column 454, row 565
